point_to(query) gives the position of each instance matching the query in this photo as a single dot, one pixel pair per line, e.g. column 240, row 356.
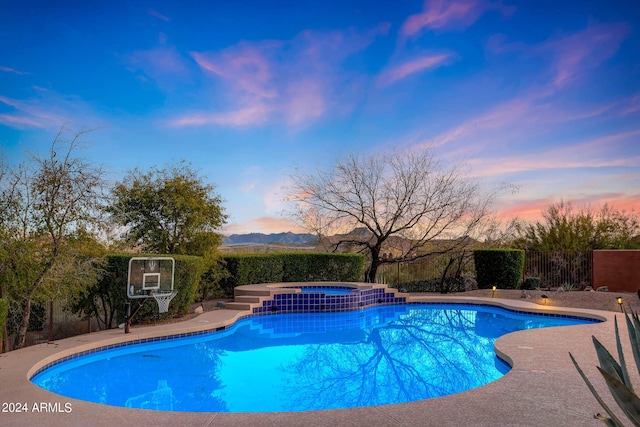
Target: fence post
column 591, row 275
column 51, row 321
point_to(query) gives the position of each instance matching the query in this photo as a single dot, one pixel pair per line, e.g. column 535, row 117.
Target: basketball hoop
column 149, row 277
column 163, row 300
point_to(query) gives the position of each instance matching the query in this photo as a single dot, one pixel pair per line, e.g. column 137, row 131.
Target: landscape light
column 493, row 291
column 544, row 298
column 620, row 302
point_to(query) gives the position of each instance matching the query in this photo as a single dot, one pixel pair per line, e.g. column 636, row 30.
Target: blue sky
column 541, row 94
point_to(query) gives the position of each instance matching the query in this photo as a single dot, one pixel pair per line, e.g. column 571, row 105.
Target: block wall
column 617, row 269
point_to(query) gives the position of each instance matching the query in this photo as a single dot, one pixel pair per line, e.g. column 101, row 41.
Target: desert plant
column 530, row 283
column 616, row 375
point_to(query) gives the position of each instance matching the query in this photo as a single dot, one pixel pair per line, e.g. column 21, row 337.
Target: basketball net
column 163, row 300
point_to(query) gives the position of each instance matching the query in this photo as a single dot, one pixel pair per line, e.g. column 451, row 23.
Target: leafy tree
column 169, row 210
column 49, row 207
column 566, row 228
column 397, row 206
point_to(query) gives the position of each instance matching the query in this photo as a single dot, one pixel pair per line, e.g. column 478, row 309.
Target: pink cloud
column 304, row 101
column 449, row 14
column 571, row 57
column 546, row 161
column 633, row 105
column 158, row 15
column 398, row 72
column 500, row 118
column 19, row 121
column 293, row 81
column 263, row 224
column 245, row 68
column 12, row 70
column 498, row 44
column 163, row 64
column 532, row 210
column 605, row 151
column 251, row 115
column 523, row 117
column 48, row 111
column 574, row 55
column 29, row 114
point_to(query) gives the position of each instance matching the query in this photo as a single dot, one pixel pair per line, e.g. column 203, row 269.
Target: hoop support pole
column 127, row 325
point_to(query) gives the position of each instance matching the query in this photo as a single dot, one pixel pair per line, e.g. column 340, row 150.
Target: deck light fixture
column 619, row 299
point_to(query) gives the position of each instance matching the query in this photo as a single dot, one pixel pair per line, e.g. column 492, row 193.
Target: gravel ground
column 579, row 299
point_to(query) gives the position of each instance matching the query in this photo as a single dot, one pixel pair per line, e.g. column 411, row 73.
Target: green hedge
column 4, row 308
column 245, row 269
column 107, row 298
column 500, row 267
column 313, row 267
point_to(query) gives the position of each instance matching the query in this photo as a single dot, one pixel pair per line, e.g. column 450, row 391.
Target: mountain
column 260, row 238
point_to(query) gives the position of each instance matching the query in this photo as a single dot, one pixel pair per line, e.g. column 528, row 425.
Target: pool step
column 251, row 292
column 240, row 306
column 249, row 299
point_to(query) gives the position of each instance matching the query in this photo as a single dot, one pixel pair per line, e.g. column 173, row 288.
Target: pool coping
column 543, row 386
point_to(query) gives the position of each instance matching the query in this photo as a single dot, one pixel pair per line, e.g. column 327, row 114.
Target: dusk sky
column 544, row 95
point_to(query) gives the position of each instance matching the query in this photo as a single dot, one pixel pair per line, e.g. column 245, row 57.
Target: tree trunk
column 445, row 287
column 24, row 325
column 375, row 262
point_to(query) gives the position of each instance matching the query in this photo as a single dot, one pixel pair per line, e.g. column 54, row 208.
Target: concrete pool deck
column 542, row 388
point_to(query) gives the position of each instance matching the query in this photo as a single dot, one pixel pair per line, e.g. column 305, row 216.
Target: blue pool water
column 329, row 290
column 299, row 362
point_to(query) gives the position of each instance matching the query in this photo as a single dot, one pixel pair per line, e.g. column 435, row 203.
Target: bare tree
column 50, row 207
column 402, row 206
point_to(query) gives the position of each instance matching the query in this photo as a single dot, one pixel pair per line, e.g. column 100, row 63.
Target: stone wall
column 617, row 269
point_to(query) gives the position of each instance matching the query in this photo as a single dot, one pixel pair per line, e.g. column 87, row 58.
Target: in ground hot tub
column 327, row 290
column 309, row 298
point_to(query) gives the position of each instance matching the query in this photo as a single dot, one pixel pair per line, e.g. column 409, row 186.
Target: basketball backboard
column 150, row 275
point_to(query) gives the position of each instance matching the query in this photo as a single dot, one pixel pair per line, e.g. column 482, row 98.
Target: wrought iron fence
column 433, row 267
column 449, row 272
column 569, row 269
column 48, row 322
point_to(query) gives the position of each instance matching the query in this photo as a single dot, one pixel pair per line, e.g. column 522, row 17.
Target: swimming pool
column 329, row 290
column 299, row 362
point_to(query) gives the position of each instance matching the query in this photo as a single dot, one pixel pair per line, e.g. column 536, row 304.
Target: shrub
column 107, row 298
column 530, row 283
column 4, row 309
column 209, row 286
column 434, row 285
column 303, row 267
column 245, row 269
column 500, row 267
